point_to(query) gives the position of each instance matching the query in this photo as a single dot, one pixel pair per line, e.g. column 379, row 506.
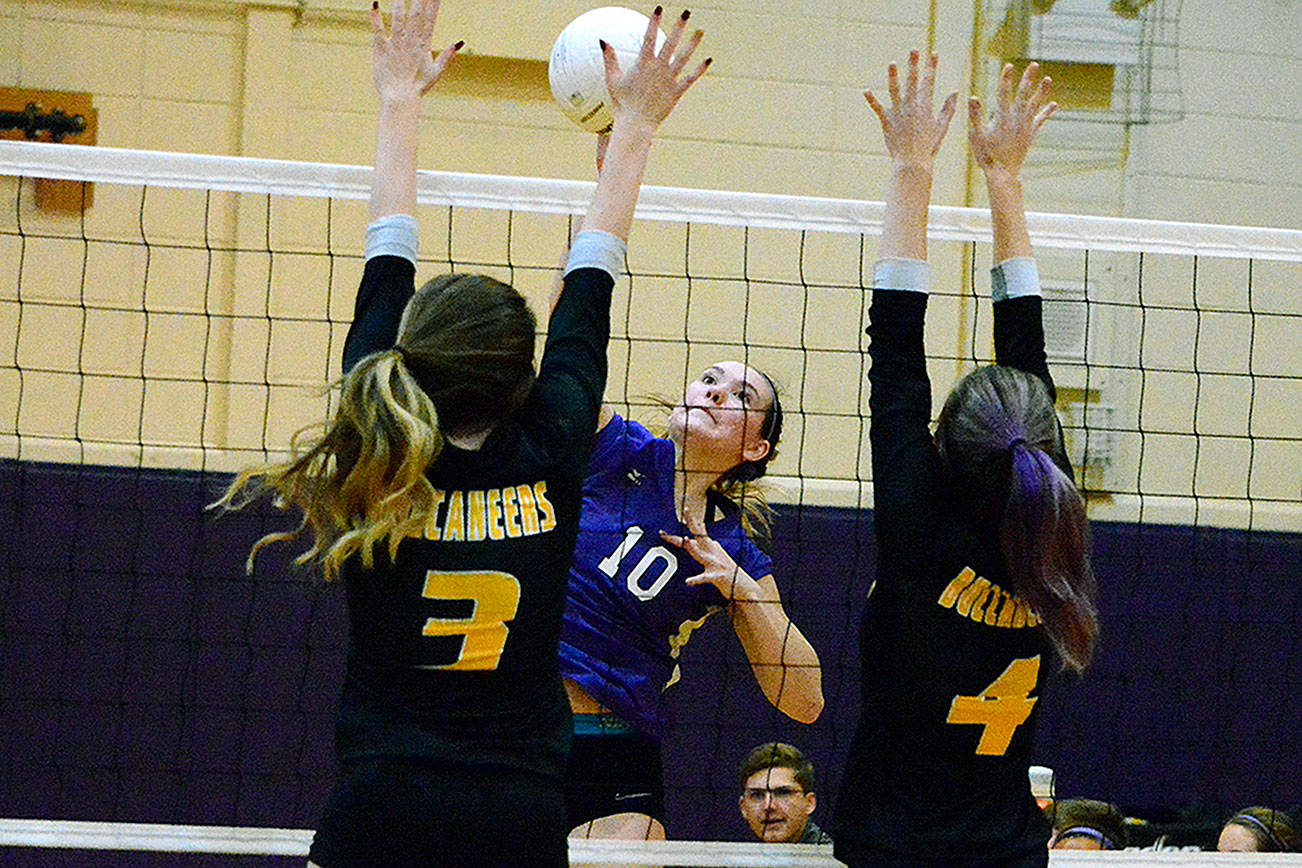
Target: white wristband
column 395, row 235
column 1014, row 278
column 912, row 275
column 596, row 249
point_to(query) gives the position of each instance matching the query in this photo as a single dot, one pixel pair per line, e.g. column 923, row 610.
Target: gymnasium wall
column 280, row 80
column 144, row 677
column 173, row 669
column 219, row 77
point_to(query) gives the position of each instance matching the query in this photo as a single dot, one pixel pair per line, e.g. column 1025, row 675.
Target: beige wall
column 780, row 112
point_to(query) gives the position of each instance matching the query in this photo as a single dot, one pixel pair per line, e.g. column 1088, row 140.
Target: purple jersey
column 628, row 611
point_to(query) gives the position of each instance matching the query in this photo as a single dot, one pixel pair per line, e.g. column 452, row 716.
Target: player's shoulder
column 623, row 442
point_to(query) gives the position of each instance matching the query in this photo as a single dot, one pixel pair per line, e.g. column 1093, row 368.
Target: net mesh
column 185, row 325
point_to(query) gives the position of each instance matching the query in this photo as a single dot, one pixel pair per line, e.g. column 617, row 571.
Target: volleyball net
column 185, row 324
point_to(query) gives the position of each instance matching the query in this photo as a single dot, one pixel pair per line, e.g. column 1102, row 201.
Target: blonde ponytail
column 362, row 480
column 465, row 347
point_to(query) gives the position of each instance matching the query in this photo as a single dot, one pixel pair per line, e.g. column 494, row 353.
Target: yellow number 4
column 1001, row 707
column 496, row 597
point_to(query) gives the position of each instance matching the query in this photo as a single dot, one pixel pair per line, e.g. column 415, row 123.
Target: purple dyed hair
column 995, row 436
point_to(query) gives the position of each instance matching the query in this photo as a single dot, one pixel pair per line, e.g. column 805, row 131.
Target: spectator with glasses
column 777, row 796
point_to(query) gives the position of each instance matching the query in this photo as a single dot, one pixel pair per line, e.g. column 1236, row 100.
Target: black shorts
column 614, row 773
column 409, row 814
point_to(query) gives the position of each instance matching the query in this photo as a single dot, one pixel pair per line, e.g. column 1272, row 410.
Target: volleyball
column 576, row 70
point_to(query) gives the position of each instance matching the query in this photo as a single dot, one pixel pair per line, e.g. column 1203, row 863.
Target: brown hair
column 1081, row 816
column 1273, row 830
column 995, row 435
column 778, row 755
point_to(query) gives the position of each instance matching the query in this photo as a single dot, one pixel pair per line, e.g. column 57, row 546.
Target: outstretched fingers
column 690, row 543
column 1040, row 94
column 377, row 24
column 690, row 79
column 877, row 107
column 1026, row 88
column 912, row 126
column 928, row 91
column 441, row 61
column 911, row 80
column 976, row 113
column 687, row 49
column 613, row 72
column 659, row 78
column 893, row 85
column 398, row 14
column 675, row 52
column 675, row 36
column 1044, row 114
column 696, row 541
column 947, row 110
column 1000, row 143
column 1004, row 93
column 405, row 65
column 428, row 12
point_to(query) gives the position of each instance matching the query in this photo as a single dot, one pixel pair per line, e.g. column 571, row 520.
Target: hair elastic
column 1015, row 442
column 1086, row 832
column 1252, row 822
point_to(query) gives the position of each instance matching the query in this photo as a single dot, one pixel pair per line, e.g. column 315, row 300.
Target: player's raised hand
column 648, row 92
column 910, row 125
column 405, row 65
column 720, row 569
column 1000, row 145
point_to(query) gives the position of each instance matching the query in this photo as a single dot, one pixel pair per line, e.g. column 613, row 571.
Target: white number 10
column 610, row 565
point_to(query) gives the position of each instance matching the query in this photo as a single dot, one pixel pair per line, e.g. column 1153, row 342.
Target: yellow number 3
column 1001, row 707
column 496, row 597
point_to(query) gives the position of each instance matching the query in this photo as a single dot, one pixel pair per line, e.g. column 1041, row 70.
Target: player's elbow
column 803, row 706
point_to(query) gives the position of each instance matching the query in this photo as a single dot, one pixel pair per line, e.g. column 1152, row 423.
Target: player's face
column 1236, row 839
column 775, row 807
column 719, row 423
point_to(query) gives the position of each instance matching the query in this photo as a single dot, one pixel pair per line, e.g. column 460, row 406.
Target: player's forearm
column 393, row 185
column 785, row 664
column 1007, row 215
column 904, row 225
column 620, row 179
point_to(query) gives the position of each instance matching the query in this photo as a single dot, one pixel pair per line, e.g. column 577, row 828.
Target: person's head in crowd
column 1086, row 824
column 1259, row 830
column 777, row 792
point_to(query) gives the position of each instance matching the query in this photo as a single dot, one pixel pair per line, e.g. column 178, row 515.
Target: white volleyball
column 577, row 71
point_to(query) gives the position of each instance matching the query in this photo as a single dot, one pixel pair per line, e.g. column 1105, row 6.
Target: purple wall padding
column 145, row 678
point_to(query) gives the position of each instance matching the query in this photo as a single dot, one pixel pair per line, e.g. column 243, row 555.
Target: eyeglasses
column 758, row 796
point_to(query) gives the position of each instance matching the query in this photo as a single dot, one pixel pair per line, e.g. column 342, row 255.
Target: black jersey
column 453, row 643
column 952, row 661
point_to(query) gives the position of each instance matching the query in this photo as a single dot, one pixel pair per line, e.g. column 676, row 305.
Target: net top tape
column 150, row 837
column 679, row 205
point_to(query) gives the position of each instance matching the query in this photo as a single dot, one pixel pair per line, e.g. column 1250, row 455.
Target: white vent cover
column 1090, row 435
column 1066, row 322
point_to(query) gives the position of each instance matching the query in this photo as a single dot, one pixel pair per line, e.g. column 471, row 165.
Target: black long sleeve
column 388, row 283
column 1019, row 337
